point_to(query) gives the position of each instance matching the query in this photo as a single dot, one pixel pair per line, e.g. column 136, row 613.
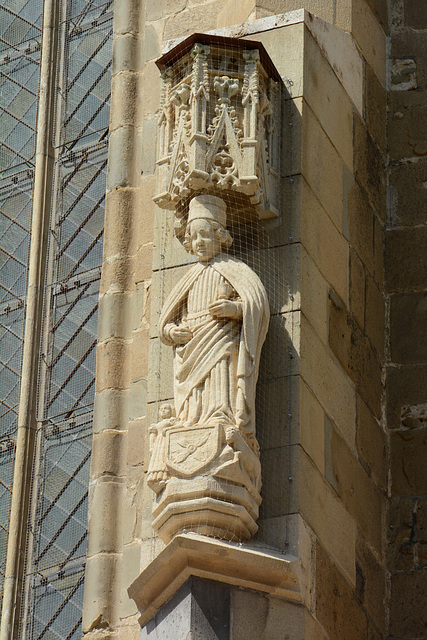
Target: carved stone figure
column 215, row 319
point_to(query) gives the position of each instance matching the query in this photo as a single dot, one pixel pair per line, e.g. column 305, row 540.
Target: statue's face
column 165, row 411
column 204, row 242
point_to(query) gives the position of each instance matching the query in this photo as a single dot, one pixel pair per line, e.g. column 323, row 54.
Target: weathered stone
column 407, row 604
column 375, row 107
column 314, row 295
column 416, row 14
column 279, row 268
column 125, row 112
column 287, row 59
column 127, row 53
column 119, row 232
column 280, row 479
column 357, row 491
column 111, row 410
column 372, row 592
column 318, row 152
column 150, row 99
column 112, row 365
column 117, row 274
column 370, row 37
column 421, row 524
column 152, row 48
column 406, row 259
column 163, row 8
column 150, row 127
column 407, row 124
column 371, row 443
column 357, row 288
column 328, row 383
column 361, row 226
column 138, row 397
column 322, row 9
column 408, row 449
column 337, row 122
column 324, row 512
column 409, row 193
column 368, row 167
column 323, row 242
column 124, row 159
column 131, row 569
column 139, row 305
column 114, row 316
column 400, row 534
column 277, row 405
column 143, row 262
column 137, row 432
column 312, row 432
column 283, row 338
column 281, row 532
column 408, row 318
column 257, row 616
column 109, row 454
column 127, row 17
column 380, row 10
column 232, row 13
column 139, row 361
column 355, row 354
column 411, row 43
column 197, row 19
column 405, row 386
column 378, row 253
column 375, row 317
column 102, row 592
column 336, row 608
column 106, row 498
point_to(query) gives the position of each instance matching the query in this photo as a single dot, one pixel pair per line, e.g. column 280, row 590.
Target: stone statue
column 216, row 320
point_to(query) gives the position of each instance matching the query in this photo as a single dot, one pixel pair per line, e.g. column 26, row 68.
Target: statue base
column 206, row 505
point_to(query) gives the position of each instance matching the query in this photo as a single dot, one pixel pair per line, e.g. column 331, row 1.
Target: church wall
column 406, row 281
column 332, row 511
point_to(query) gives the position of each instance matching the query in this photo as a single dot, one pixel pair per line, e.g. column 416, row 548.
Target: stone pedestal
column 205, row 589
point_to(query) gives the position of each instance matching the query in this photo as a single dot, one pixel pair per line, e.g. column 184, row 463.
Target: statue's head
column 165, row 411
column 206, row 235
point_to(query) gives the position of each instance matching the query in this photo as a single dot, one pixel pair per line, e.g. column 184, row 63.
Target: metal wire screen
column 58, row 519
column 20, row 39
column 265, row 245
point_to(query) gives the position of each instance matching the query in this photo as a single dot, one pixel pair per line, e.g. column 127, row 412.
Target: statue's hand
column 180, row 335
column 224, row 309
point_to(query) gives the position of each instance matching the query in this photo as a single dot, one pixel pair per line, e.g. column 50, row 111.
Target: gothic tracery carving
column 219, row 127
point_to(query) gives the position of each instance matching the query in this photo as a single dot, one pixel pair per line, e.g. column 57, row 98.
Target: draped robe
column 216, row 371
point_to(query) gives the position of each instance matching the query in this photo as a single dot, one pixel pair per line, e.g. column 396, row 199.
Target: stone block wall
column 339, row 444
column 405, row 287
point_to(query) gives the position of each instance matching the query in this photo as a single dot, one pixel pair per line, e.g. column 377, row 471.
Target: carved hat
column 208, row 208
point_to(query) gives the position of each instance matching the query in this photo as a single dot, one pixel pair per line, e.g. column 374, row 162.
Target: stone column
column 119, row 304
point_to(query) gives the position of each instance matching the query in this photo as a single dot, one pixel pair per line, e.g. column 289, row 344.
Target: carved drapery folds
column 219, row 124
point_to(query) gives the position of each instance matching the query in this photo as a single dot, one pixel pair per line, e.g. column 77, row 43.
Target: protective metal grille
column 56, row 557
column 20, row 39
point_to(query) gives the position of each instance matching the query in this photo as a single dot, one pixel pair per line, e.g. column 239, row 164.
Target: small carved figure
column 157, row 475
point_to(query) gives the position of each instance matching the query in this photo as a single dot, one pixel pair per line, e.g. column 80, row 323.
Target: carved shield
column 188, row 451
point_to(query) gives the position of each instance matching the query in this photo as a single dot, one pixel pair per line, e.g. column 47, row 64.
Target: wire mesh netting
column 208, row 93
column 59, row 525
column 20, row 40
column 58, row 520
